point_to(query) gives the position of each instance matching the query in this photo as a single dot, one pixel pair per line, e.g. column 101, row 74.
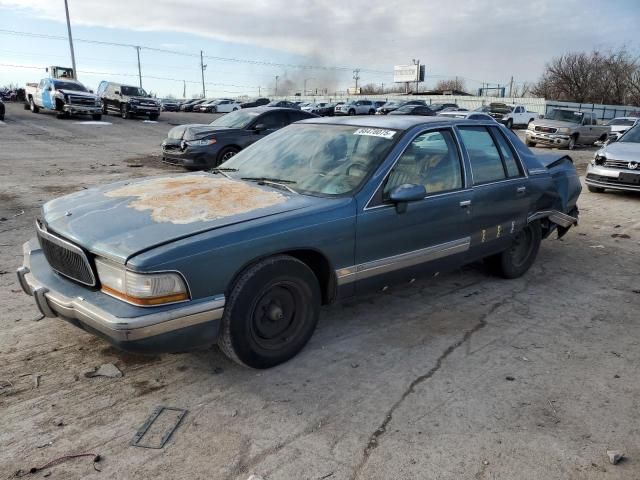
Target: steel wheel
column 521, row 248
column 275, row 320
column 572, row 143
column 520, row 255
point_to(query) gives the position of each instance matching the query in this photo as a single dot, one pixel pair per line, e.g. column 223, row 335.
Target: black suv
column 127, row 101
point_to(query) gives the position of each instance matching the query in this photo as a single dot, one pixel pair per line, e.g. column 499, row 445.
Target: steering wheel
column 361, row 165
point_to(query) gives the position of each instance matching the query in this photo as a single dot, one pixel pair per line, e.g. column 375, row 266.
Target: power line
column 174, row 52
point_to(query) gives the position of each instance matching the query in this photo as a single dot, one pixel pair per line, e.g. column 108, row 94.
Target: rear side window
column 510, row 162
column 486, row 164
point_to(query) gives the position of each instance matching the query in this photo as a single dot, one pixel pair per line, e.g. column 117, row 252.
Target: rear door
column 500, row 199
column 271, row 121
column 393, row 245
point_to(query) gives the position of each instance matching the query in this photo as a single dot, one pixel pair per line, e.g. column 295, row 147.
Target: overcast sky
column 479, row 40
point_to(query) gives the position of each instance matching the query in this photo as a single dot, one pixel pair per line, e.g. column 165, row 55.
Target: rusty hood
column 122, row 219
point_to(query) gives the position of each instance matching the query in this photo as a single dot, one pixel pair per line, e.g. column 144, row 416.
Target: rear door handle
column 465, row 203
column 521, row 190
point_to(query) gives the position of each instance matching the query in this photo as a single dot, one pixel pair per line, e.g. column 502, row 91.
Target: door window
column 510, row 162
column 486, row 164
column 274, row 120
column 431, row 160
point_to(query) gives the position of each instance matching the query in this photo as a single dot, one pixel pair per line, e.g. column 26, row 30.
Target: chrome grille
column 66, row 258
column 546, row 129
column 78, row 100
column 621, row 164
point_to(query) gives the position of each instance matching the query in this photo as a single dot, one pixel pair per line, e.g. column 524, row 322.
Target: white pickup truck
column 64, row 95
column 512, row 115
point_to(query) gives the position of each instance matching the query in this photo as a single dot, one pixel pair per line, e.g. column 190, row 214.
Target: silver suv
column 356, row 107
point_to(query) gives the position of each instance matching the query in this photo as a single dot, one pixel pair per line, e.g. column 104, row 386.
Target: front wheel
column 271, row 312
column 34, row 108
column 509, row 124
column 97, row 117
column 124, row 113
column 154, row 116
column 518, row 258
column 225, row 154
column 572, row 142
column 352, row 112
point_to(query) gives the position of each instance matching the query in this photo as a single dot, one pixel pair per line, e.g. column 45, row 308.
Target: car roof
column 396, row 122
column 264, row 108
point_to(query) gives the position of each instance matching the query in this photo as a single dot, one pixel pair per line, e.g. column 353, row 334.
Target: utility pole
column 356, row 77
column 139, row 70
column 382, row 88
column 73, row 55
column 511, row 87
column 416, row 62
column 202, row 68
column 259, row 91
column 276, row 92
column 184, row 89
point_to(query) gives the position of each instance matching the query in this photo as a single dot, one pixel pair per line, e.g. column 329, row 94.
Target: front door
column 396, row 244
column 500, row 199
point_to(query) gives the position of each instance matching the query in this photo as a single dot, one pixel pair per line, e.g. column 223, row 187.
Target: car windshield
column 391, row 104
column 237, row 119
column 73, row 86
column 621, row 121
column 133, row 91
column 406, row 108
column 316, row 159
column 565, row 116
column 632, row 135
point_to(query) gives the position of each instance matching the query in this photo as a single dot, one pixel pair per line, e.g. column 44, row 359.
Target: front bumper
column 195, row 157
column 82, row 109
column 613, row 178
column 552, row 139
column 143, row 110
column 170, row 328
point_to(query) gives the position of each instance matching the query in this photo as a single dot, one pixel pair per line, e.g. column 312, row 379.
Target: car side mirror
column 90, row 91
column 50, row 88
column 408, row 192
column 259, row 127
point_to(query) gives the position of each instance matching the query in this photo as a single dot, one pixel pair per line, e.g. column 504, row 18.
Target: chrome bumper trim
column 54, row 304
column 555, row 216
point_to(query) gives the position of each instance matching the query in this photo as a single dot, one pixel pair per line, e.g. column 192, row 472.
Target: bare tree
column 452, row 84
column 595, row 77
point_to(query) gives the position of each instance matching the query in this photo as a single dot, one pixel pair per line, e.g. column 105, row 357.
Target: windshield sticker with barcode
column 375, row 132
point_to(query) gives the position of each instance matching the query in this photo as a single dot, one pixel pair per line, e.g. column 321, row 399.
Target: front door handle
column 521, row 190
column 465, row 203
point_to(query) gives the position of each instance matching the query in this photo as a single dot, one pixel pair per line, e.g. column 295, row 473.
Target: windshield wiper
column 276, row 182
column 222, row 170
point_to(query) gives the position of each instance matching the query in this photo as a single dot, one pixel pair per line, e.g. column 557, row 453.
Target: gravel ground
column 461, row 376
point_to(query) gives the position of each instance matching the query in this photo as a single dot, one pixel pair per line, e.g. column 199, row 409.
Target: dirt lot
column 461, row 376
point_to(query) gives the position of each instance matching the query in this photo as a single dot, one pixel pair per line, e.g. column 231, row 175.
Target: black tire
column 26, row 106
column 530, row 143
column 235, row 109
column 124, row 113
column 154, row 116
column 34, row 108
column 352, row 112
column 1, row 117
column 271, row 312
column 509, row 123
column 518, row 258
column 105, row 110
column 97, row 117
column 572, row 142
column 225, row 154
column 372, row 112
column 593, row 189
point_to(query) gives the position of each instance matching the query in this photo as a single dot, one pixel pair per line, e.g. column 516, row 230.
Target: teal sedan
column 246, row 254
